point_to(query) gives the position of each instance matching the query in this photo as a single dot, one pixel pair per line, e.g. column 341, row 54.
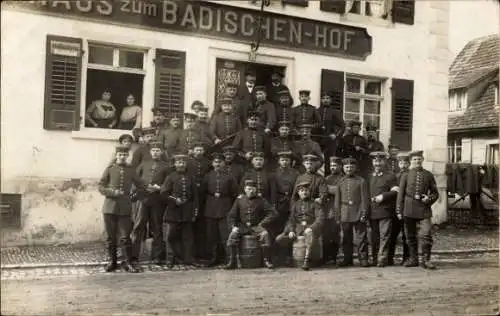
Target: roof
column 476, row 60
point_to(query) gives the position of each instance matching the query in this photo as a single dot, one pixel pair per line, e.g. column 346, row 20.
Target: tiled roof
column 477, row 59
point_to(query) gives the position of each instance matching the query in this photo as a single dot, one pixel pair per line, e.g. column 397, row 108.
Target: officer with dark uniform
column 220, row 189
column 317, row 185
column 143, row 153
column 264, row 181
column 306, row 219
column 158, row 122
column 231, row 163
column 305, row 113
column 398, row 224
column 180, row 190
column 251, row 139
column 226, row 123
column 331, row 228
column 250, row 214
column 305, row 145
column 230, row 92
column 276, row 87
column 152, row 207
column 417, row 193
column 383, row 191
column 115, row 185
column 190, row 134
column 283, row 142
column 331, row 126
column 392, row 161
column 170, row 138
column 203, row 124
column 351, row 198
column 246, row 93
column 356, row 146
column 265, row 109
column 284, row 111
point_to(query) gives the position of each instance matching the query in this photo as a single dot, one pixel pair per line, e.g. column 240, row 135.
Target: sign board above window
column 214, row 20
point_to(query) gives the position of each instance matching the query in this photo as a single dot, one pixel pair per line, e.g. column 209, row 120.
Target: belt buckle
column 249, row 224
column 304, row 223
column 417, row 196
column 217, row 195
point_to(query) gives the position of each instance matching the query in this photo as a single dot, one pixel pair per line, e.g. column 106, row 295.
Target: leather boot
column 305, row 265
column 112, row 264
column 232, row 258
column 413, row 256
column 267, row 257
column 363, row 260
column 213, row 261
column 426, row 258
column 406, row 253
column 335, row 250
column 127, row 264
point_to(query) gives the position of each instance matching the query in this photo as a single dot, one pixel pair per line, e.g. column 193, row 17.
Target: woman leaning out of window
column 131, row 116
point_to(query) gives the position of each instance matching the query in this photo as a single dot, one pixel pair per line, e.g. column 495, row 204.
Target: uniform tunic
column 180, row 185
column 305, row 114
column 284, row 113
column 351, row 198
column 221, row 189
column 140, row 155
column 197, row 168
column 305, row 214
column 265, row 182
column 413, row 184
column 170, row 138
column 331, row 183
column 393, row 166
column 251, row 140
column 191, row 136
column 383, row 183
column 153, row 172
column 308, row 146
column 272, row 92
column 267, row 114
column 251, row 214
column 224, row 125
column 348, row 148
column 375, row 145
column 206, row 133
column 236, row 170
column 317, row 185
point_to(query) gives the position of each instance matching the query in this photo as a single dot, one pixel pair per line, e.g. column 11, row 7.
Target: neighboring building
column 385, row 61
column 474, row 107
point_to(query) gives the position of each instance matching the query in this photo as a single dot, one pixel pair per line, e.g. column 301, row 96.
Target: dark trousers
column 199, row 229
column 381, row 233
column 217, row 232
column 331, row 239
column 151, row 213
column 354, row 233
column 180, row 241
column 418, row 230
column 397, row 227
column 118, row 227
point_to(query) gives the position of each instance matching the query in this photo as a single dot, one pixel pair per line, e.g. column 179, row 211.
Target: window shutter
column 402, row 113
column 63, row 75
column 337, row 6
column 333, row 81
column 300, row 3
column 169, row 81
column 403, row 11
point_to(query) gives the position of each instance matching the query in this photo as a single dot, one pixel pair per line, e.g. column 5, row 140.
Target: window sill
column 99, row 134
column 456, row 113
column 366, row 20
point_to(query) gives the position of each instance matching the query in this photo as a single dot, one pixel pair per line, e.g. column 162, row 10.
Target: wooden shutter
column 403, row 11
column 402, row 113
column 63, row 72
column 169, row 81
column 337, row 6
column 300, row 3
column 333, row 81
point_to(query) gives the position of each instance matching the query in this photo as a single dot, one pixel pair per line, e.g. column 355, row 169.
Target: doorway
column 231, row 71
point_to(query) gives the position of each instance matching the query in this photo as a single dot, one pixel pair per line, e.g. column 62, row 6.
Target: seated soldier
column 306, row 219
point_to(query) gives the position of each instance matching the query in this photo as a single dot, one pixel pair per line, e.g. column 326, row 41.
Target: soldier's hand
column 217, row 141
column 400, row 216
column 425, row 198
column 235, row 230
column 178, row 201
column 363, row 218
column 248, row 155
column 267, row 130
column 379, row 198
column 333, row 136
column 240, row 196
column 308, row 230
column 318, row 200
column 291, row 235
column 357, row 148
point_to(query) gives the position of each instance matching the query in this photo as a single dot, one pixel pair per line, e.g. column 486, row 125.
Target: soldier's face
column 258, row 162
column 198, row 151
column 229, row 155
column 417, row 161
column 303, row 193
column 126, row 142
column 217, row 163
column 250, row 190
column 309, row 165
column 196, row 108
column 326, row 100
column 355, row 129
column 252, row 122
column 175, row 122
column 335, row 167
column 231, row 92
column 305, row 132
column 284, row 131
column 285, row 162
column 304, row 98
column 393, row 152
column 275, row 78
column 250, row 80
column 371, row 134
column 284, row 100
column 403, row 165
column 378, row 163
column 180, row 164
column 158, row 118
column 147, row 138
column 349, row 169
column 121, row 157
column 106, row 96
column 260, row 96
column 203, row 117
column 156, row 153
column 227, row 108
column 188, row 123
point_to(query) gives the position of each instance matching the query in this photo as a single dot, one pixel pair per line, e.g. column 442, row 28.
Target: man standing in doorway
column 246, row 92
column 276, row 86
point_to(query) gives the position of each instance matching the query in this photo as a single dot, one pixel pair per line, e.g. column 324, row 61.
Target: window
column 376, row 8
column 114, row 87
column 458, row 100
column 455, row 150
column 492, row 151
column 362, row 100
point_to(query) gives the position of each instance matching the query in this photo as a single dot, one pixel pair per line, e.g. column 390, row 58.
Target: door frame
column 242, row 56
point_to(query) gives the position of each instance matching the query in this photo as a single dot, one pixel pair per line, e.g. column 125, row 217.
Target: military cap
column 416, row 153
column 197, row 103
column 250, row 183
column 229, row 148
column 371, row 127
column 252, row 114
column 354, row 123
column 283, row 93
column 309, row 126
column 125, row 136
column 310, row 157
column 157, row 111
column 218, row 156
column 392, row 146
column 180, row 157
column 260, row 88
column 326, row 94
column 258, row 154
column 349, row 161
column 175, row 116
column 335, row 159
column 284, row 123
column 190, row 116
column 306, row 92
column 197, row 144
column 231, row 85
column 403, row 156
column 121, row 149
column 378, row 154
column 225, row 101
column 278, row 72
column 156, row 144
column 148, row 131
column 303, row 184
column 285, row 154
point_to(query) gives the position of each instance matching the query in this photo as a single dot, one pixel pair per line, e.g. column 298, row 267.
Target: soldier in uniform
column 246, row 93
column 276, row 87
column 383, row 190
column 317, row 182
column 170, row 137
column 204, row 125
column 231, row 165
column 152, row 207
column 417, row 193
column 306, row 219
column 125, row 140
column 158, row 122
column 226, row 123
column 265, row 109
column 180, row 191
column 250, row 214
column 305, row 113
column 284, row 111
column 331, row 228
column 351, row 199
column 115, row 185
column 196, row 106
column 398, row 224
column 332, row 126
column 143, row 152
column 220, row 189
column 373, row 144
column 305, row 145
column 251, row 139
column 283, row 142
column 230, row 92
column 393, row 162
column 190, row 134
column 355, row 146
column 265, row 182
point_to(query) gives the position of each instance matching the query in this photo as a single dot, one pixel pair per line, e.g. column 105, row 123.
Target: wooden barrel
column 250, row 252
column 299, row 251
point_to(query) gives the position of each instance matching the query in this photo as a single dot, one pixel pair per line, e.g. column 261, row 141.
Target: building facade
column 385, row 62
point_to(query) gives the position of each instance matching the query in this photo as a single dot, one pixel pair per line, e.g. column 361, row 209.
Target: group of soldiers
column 252, row 169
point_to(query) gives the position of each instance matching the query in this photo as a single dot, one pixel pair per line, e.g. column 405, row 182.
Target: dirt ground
column 459, row 287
